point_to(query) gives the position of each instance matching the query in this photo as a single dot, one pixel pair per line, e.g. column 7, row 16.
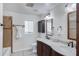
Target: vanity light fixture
column 48, row 17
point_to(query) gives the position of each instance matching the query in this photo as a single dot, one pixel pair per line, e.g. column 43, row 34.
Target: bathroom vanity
column 45, row 50
column 49, row 48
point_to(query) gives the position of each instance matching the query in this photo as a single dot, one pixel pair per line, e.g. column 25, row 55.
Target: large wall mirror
column 72, row 25
column 49, row 25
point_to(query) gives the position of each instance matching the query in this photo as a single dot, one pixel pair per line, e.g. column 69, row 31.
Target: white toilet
column 34, row 48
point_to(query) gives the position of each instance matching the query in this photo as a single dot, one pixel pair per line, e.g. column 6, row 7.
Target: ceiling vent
column 29, row 4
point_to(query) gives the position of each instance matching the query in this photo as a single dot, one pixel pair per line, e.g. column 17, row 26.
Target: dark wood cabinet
column 54, row 53
column 39, row 48
column 45, row 50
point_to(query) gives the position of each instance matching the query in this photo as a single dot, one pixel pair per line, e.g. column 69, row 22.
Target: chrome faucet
column 47, row 37
column 70, row 44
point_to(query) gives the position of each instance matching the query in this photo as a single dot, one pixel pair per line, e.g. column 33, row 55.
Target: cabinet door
column 46, row 50
column 39, row 48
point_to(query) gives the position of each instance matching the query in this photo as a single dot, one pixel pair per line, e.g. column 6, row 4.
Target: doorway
column 7, row 34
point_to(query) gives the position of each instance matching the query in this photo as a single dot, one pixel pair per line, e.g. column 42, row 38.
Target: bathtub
column 6, row 51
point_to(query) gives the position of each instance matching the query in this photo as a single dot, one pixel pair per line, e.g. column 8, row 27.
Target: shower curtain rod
column 18, row 25
column 12, row 25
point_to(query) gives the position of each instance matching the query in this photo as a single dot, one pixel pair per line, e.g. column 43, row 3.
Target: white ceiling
column 38, row 8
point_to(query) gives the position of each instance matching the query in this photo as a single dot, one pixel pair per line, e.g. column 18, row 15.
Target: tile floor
column 24, row 53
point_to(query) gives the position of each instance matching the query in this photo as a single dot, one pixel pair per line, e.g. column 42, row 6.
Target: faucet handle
column 71, row 44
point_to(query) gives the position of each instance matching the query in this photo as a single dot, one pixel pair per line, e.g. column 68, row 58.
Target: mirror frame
column 68, row 25
column 51, row 27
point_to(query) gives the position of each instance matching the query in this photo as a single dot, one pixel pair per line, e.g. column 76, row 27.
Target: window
column 28, row 26
column 49, row 27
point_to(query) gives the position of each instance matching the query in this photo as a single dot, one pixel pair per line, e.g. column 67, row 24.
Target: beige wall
column 1, row 30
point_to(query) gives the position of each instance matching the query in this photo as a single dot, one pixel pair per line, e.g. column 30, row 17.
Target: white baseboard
column 22, row 50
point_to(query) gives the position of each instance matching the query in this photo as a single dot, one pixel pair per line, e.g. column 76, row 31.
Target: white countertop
column 59, row 47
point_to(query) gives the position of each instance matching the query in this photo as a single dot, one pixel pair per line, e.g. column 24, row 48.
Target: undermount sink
column 63, row 47
column 59, row 44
